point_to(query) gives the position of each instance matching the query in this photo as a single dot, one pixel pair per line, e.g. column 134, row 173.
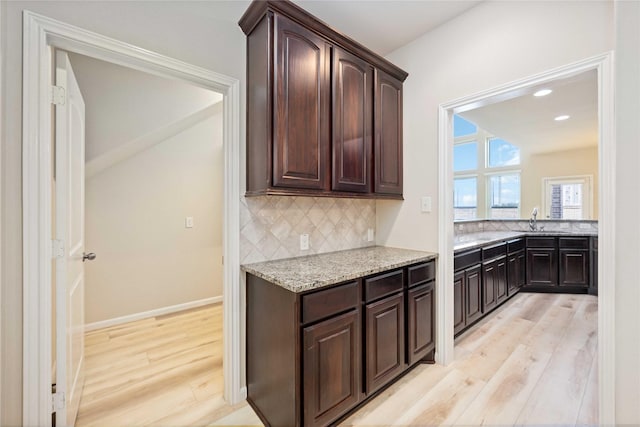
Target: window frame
column 587, row 197
column 483, row 172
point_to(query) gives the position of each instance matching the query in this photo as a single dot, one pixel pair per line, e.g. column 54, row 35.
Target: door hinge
column 58, row 95
column 58, row 402
column 57, row 249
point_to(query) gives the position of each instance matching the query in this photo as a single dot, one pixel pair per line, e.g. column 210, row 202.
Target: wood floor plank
column 508, row 390
column 557, row 397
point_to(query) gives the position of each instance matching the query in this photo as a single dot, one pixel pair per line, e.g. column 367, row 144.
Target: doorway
column 606, row 165
column 151, row 218
column 41, row 36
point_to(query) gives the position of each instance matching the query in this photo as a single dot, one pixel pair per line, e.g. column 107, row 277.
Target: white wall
column 202, row 34
column 126, row 104
column 135, row 223
column 627, row 289
column 492, row 44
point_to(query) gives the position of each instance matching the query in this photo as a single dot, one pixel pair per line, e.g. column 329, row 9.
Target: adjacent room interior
column 153, row 209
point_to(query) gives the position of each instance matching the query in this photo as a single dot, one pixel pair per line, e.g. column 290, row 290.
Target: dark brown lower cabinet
column 459, row 312
column 542, row 267
column 331, row 358
column 494, row 276
column 315, row 356
column 574, row 268
column 515, row 271
column 574, row 262
column 593, row 284
column 420, row 322
column 384, row 341
column 473, row 294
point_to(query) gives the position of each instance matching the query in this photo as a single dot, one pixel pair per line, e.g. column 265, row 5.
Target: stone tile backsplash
column 270, row 226
column 465, row 227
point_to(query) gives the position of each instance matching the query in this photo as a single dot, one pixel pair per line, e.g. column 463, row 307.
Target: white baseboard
column 151, row 313
column 243, row 393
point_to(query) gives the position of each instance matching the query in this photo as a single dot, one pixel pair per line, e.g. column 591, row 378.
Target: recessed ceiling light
column 561, row 118
column 542, row 92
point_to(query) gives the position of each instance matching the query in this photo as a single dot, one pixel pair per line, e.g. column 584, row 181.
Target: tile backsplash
column 270, row 226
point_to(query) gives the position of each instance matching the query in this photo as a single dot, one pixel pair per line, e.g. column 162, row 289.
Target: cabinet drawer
column 385, row 284
column 327, row 302
column 422, row 273
column 573, row 242
column 467, row 259
column 494, row 251
column 515, row 245
column 541, row 242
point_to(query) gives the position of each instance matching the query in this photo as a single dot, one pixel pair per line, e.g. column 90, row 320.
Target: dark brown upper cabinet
column 352, row 123
column 324, row 113
column 388, row 145
column 301, row 101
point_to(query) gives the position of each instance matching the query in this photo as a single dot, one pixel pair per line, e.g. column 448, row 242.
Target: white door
column 69, row 230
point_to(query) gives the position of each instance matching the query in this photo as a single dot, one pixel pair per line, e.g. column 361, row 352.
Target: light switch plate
column 188, row 222
column 426, row 204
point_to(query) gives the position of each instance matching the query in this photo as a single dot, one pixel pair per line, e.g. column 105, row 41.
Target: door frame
column 603, row 64
column 40, row 35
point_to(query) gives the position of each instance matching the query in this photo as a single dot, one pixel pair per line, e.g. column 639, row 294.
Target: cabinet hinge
column 58, row 402
column 58, row 95
column 57, row 249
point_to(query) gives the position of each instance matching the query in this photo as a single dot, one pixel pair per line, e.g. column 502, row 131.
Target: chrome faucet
column 533, row 222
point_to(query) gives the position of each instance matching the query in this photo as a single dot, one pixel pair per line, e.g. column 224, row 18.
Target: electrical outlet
column 188, row 222
column 304, row 242
column 370, row 235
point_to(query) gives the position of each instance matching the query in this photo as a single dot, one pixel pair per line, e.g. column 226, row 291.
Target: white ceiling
column 384, row 25
column 529, row 122
column 380, row 25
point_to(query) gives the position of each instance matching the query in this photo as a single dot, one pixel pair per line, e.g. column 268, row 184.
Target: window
column 462, row 127
column 465, row 198
column 568, row 198
column 502, row 153
column 504, row 196
column 465, row 156
column 486, row 174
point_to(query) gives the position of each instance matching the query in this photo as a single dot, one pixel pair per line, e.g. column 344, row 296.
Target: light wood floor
column 164, row 371
column 531, row 362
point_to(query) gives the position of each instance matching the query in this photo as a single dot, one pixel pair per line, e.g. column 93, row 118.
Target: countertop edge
column 517, row 235
column 312, row 285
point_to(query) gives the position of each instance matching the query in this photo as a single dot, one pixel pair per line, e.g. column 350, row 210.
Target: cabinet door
column 421, row 321
column 473, row 294
column 512, row 274
column 388, row 135
column 384, row 341
column 574, row 268
column 352, row 123
column 542, row 267
column 332, row 366
column 515, row 272
column 489, row 285
column 501, row 279
column 459, row 312
column 301, row 106
column 522, row 270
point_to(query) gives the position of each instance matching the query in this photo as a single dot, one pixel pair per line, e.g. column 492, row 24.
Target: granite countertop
column 476, row 240
column 317, row 271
